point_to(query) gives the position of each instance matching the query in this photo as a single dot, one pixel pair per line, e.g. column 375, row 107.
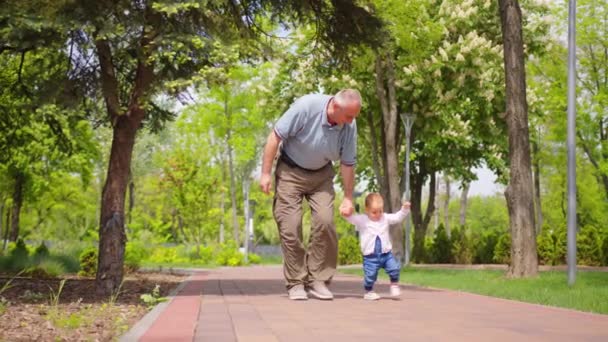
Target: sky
column 486, row 184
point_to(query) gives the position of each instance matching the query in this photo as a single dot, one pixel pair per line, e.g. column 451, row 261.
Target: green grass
column 271, row 260
column 265, row 260
column 589, row 293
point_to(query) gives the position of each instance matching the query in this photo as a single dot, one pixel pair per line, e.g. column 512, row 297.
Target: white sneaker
column 395, row 291
column 320, row 291
column 371, row 295
column 297, row 293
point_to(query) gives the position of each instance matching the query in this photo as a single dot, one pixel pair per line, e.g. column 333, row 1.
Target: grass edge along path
column 589, row 293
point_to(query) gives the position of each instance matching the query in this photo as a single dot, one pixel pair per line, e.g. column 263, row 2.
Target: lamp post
column 571, row 142
column 408, row 121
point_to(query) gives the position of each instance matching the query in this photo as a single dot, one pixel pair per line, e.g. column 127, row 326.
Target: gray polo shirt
column 308, row 138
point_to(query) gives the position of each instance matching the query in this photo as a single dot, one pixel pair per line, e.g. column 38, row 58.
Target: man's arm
column 348, row 180
column 270, row 151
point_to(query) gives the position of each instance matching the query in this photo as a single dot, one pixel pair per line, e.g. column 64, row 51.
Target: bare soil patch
column 27, row 311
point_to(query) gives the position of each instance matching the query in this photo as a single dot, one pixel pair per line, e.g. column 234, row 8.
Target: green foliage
column 88, row 262
column 589, row 247
column 20, row 251
column 153, row 298
column 485, row 245
column 135, row 252
column 605, row 249
column 202, row 255
column 502, row 251
column 551, row 245
column 55, row 295
column 47, row 268
column 441, row 249
column 168, row 255
column 462, row 247
column 41, row 252
column 66, row 320
column 254, row 258
column 228, row 255
column 349, row 251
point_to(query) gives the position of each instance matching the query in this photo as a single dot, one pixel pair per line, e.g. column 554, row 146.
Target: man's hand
column 406, row 205
column 346, row 208
column 265, row 183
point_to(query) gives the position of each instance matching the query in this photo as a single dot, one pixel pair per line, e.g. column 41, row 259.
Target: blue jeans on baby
column 372, row 263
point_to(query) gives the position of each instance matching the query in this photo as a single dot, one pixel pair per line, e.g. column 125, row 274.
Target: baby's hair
column 373, row 197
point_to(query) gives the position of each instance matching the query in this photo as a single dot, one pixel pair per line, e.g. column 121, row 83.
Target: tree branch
column 109, row 83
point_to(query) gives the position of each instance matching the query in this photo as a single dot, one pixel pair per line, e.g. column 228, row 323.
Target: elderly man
column 316, row 130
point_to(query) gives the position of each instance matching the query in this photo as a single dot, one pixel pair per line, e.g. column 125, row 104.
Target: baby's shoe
column 371, row 295
column 395, row 290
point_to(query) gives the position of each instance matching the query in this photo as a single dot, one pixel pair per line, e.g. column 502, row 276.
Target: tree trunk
column 421, row 222
column 235, row 220
column 374, row 145
column 131, row 194
column 537, row 202
column 385, row 90
column 112, row 237
column 446, row 205
column 17, row 204
column 6, row 230
column 223, row 201
column 464, row 197
column 174, row 235
column 2, row 204
column 524, row 259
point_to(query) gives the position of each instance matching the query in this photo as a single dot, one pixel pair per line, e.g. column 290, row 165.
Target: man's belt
column 285, row 159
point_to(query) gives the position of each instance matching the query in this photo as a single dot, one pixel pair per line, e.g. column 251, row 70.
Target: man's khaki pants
column 292, row 185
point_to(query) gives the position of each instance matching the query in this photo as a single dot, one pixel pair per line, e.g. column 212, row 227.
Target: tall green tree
column 125, row 52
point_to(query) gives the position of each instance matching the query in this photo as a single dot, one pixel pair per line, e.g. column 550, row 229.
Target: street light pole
column 571, row 142
column 408, row 121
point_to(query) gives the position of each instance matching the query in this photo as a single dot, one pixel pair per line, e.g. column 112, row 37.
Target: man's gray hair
column 347, row 96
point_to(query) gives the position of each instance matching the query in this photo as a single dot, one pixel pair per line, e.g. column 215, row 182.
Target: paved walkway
column 250, row 304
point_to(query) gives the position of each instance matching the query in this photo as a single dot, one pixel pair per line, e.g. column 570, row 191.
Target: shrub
column 229, row 255
column 70, row 263
column 41, row 252
column 18, row 258
column 254, row 258
column 441, row 251
column 46, row 269
column 428, row 246
column 203, row 256
column 349, row 251
column 484, row 248
column 135, row 252
column 20, row 250
column 589, row 247
column 88, row 262
column 551, row 246
column 502, row 251
column 168, row 255
column 462, row 249
column 605, row 250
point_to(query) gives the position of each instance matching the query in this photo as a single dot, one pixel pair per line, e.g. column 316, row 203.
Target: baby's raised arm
column 398, row 216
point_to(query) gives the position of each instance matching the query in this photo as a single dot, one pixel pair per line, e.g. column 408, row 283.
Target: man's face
column 346, row 114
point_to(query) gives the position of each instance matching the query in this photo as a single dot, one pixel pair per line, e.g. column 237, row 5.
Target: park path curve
column 250, row 304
